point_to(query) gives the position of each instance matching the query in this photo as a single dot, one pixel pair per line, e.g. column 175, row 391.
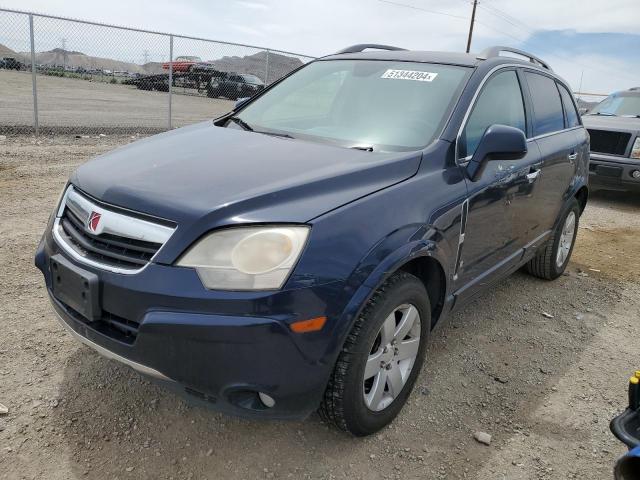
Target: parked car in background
column 614, row 127
column 294, row 254
column 182, row 64
column 234, row 85
column 10, row 63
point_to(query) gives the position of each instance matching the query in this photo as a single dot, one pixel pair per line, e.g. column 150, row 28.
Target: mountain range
column 255, row 64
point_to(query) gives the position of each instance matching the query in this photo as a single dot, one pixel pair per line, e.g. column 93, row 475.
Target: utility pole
column 64, row 53
column 473, row 18
column 580, row 87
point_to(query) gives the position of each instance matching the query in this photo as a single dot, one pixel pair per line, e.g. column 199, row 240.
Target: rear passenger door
column 558, row 146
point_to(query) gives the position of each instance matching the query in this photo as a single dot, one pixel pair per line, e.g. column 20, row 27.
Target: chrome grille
column 105, row 238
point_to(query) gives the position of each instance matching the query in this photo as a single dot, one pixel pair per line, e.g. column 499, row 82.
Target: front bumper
column 613, row 172
column 218, row 347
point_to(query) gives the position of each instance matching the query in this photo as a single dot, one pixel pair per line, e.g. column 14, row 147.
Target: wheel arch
column 430, row 272
column 582, row 195
column 423, row 258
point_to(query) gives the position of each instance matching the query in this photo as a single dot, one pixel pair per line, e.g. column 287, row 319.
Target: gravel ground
column 543, row 388
column 96, row 107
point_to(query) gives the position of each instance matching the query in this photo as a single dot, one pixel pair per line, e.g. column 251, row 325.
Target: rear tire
column 381, row 358
column 552, row 260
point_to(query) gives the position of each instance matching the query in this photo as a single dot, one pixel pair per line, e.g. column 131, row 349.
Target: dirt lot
column 544, row 388
column 96, row 107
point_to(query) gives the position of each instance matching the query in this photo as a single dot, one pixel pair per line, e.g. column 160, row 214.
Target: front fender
column 387, row 257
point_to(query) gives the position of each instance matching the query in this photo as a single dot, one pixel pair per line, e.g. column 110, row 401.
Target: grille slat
column 100, row 248
column 123, row 242
column 108, row 249
column 612, row 143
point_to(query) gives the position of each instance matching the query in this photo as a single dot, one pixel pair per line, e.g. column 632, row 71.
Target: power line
column 512, row 21
column 529, row 30
column 413, row 7
column 507, row 18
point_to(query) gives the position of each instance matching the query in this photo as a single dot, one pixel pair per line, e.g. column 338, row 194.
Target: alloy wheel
column 391, row 358
column 566, row 239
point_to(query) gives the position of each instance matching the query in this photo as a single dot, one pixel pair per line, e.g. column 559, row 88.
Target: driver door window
column 500, row 102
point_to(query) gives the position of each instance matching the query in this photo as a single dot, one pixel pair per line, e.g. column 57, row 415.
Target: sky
column 594, row 45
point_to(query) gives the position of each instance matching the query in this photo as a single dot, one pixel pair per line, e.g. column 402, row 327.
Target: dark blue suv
column 294, row 254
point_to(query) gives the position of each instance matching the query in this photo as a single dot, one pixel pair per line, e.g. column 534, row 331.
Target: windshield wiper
column 606, row 114
column 241, row 122
column 366, row 149
column 249, row 128
column 631, row 115
column 274, row 134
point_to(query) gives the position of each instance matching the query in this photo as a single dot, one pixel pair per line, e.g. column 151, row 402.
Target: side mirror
column 499, row 142
column 240, row 102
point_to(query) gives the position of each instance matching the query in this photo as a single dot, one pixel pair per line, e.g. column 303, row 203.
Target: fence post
column 33, row 77
column 266, row 69
column 170, row 76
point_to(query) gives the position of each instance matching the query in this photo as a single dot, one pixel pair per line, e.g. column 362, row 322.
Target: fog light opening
column 636, row 174
column 267, row 400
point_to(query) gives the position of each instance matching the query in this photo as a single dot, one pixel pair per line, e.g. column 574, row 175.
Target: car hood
column 215, row 175
column 618, row 124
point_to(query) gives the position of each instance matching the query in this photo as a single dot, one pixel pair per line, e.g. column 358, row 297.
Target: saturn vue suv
column 294, row 254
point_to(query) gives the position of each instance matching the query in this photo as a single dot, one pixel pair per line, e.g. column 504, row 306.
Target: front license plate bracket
column 75, row 287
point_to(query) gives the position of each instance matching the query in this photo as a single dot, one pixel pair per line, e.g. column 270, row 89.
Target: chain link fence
column 63, row 75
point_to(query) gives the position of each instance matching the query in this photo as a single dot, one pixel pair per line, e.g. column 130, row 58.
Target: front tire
column 553, row 259
column 381, row 358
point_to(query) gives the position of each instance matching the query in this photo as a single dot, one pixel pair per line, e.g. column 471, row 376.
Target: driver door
column 500, row 204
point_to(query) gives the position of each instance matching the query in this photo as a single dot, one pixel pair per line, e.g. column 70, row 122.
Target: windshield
column 618, row 104
column 379, row 105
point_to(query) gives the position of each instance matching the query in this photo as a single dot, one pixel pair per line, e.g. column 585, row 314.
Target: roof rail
column 495, row 52
column 363, row 46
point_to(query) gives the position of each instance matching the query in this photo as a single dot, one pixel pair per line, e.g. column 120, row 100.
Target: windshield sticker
column 409, row 75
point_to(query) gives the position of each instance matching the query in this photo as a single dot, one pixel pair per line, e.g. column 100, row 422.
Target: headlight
column 635, row 151
column 246, row 258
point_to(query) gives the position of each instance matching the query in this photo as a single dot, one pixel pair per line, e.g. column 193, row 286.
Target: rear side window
column 573, row 119
column 500, row 102
column 547, row 107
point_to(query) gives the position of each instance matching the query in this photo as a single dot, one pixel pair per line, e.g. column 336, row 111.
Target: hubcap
column 391, row 358
column 566, row 239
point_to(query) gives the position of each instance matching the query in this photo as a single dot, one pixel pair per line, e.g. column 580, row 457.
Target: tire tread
column 543, row 264
column 331, row 409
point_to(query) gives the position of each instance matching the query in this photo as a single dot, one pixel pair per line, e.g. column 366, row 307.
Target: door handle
column 532, row 176
column 572, row 157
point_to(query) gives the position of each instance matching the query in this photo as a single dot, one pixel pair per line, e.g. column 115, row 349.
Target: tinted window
column 499, row 102
column 547, row 109
column 573, row 119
